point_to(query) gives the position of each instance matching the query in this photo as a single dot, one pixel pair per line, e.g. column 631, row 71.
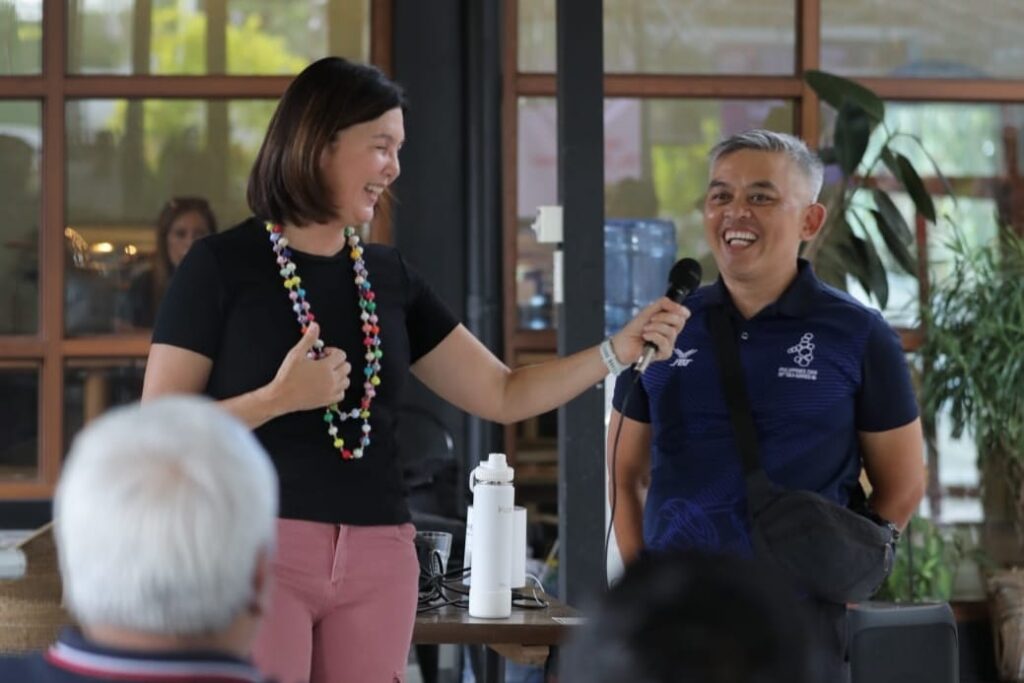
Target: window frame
column 49, row 349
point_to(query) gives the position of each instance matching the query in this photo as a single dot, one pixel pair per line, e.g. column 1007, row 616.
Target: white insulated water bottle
column 490, row 595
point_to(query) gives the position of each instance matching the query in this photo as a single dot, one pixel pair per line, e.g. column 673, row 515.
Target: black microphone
column 682, row 279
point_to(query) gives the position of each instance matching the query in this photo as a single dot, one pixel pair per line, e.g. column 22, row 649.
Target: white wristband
column 611, row 361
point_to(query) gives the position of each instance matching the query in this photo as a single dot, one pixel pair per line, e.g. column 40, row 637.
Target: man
column 692, row 617
column 164, row 523
column 826, row 377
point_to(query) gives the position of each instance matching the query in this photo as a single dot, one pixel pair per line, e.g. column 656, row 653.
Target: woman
column 271, row 318
column 181, row 222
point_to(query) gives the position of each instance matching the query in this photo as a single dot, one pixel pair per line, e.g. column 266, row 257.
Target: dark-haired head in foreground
column 692, row 618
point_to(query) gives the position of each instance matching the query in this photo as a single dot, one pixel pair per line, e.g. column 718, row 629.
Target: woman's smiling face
column 360, row 163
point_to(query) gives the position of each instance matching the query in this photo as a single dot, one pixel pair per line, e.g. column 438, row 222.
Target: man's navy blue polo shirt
column 819, row 367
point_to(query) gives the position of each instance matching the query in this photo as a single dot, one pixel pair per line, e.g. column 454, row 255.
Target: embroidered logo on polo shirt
column 803, row 356
column 683, row 358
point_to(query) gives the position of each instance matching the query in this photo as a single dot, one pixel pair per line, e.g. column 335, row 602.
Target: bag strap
column 731, row 373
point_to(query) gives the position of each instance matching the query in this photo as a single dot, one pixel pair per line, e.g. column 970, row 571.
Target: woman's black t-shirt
column 228, row 302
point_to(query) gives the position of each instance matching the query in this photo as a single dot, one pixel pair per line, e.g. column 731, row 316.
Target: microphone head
column 683, row 279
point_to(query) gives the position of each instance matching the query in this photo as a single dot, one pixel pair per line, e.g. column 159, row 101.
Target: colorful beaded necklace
column 371, row 334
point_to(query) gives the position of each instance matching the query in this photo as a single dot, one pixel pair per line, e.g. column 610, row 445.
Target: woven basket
column 30, row 607
column 1006, row 600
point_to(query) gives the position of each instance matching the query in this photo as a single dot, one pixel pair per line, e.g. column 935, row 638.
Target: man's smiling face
column 757, row 210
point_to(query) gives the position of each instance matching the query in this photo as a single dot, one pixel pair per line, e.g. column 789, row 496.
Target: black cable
column 611, row 474
column 439, row 585
column 432, row 582
column 433, row 591
column 459, row 573
column 445, row 602
column 455, row 589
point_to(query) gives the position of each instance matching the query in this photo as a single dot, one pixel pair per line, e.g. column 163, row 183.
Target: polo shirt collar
column 74, row 652
column 795, row 301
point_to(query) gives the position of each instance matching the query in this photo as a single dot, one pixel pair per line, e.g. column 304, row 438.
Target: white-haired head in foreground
column 162, row 515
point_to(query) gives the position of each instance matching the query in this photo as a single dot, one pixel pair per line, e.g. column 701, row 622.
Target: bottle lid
column 495, row 469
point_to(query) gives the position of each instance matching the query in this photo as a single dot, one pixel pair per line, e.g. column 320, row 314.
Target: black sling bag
column 836, row 554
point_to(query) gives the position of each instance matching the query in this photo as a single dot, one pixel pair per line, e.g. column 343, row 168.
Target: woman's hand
column 659, row 323
column 303, row 382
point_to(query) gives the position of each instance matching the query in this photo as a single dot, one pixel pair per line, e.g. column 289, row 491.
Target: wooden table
column 527, row 632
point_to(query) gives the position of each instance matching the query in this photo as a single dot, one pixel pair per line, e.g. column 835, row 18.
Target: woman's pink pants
column 343, row 604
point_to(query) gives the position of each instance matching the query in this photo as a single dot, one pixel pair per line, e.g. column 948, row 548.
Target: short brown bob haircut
column 329, row 95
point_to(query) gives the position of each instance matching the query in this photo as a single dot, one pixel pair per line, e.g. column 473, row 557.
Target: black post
column 581, row 315
column 483, row 200
column 430, row 217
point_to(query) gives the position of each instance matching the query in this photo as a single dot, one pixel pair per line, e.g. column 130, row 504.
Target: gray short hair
column 161, row 514
column 769, row 141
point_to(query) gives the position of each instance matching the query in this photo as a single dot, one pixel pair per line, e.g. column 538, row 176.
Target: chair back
column 426, row 455
column 903, row 643
column 31, row 613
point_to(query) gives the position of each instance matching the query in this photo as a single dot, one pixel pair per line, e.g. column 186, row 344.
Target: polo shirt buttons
column 744, row 336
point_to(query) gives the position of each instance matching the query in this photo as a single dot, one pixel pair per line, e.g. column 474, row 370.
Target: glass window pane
column 674, row 36
column 537, row 185
column 19, row 430
column 656, row 174
column 537, row 35
column 245, row 37
column 655, row 155
column 21, row 37
column 958, row 469
column 923, row 38
column 973, row 145
column 958, row 498
column 93, row 386
column 903, row 308
column 126, row 160
column 20, row 142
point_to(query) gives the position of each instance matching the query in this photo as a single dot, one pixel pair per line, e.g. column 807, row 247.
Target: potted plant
column 928, row 560
column 974, row 367
column 862, row 217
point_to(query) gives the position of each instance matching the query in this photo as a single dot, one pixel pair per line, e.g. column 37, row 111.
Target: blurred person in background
column 182, row 221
